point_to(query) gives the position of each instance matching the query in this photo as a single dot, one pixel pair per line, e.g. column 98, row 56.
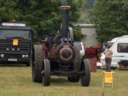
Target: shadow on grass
column 63, row 81
column 13, row 65
column 57, row 81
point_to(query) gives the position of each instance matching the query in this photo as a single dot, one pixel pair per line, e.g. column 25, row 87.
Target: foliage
column 77, row 33
column 111, row 17
column 89, row 4
column 86, row 8
column 43, row 16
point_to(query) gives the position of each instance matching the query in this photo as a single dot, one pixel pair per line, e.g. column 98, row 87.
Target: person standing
column 108, row 59
column 91, row 54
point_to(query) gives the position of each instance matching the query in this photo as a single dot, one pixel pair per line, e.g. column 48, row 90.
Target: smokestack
column 65, row 8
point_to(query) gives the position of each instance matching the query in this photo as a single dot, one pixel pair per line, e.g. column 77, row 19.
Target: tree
column 42, row 15
column 111, row 17
column 7, row 10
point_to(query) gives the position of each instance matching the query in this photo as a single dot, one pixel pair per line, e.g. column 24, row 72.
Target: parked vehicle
column 15, row 43
column 119, row 47
column 60, row 56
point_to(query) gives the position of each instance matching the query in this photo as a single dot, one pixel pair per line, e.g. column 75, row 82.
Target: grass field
column 16, row 81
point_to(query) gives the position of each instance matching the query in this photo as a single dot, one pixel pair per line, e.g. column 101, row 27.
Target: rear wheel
column 37, row 64
column 85, row 78
column 46, row 73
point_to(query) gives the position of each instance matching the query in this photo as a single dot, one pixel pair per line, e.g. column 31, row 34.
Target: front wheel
column 37, row 64
column 85, row 78
column 46, row 73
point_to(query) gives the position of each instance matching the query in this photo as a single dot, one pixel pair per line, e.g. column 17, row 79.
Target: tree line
column 43, row 16
column 111, row 18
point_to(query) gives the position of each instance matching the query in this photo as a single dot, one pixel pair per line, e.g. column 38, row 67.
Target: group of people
column 94, row 54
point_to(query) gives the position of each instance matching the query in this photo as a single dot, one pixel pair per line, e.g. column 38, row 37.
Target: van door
column 120, row 54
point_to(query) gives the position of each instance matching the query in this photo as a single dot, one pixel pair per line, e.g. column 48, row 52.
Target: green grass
column 16, row 81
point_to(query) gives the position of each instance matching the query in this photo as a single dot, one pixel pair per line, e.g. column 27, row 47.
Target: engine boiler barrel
column 66, row 54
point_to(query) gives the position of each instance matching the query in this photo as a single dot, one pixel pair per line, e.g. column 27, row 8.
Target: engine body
column 62, row 56
column 58, row 55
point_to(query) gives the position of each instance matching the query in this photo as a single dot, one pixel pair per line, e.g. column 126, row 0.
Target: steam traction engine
column 59, row 56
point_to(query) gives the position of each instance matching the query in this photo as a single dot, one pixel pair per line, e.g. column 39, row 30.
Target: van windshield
column 122, row 47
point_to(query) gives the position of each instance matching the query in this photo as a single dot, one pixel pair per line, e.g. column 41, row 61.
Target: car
column 15, row 43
